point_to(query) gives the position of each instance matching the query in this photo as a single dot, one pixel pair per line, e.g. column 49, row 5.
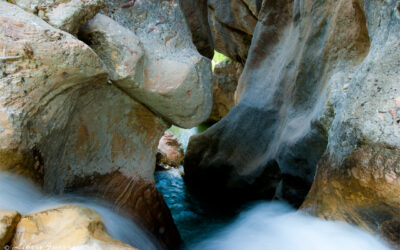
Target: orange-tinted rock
column 362, row 190
column 170, row 151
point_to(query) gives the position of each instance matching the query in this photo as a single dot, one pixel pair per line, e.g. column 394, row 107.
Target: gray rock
column 177, row 81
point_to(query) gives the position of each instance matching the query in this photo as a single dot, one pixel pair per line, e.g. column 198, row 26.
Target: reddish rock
column 170, row 152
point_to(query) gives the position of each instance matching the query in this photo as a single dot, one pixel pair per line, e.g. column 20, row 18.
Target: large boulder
column 232, row 23
column 67, row 15
column 226, row 77
column 176, row 81
column 66, row 227
column 321, row 79
column 63, row 121
column 8, row 224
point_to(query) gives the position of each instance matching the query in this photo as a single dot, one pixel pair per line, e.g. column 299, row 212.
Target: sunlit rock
column 66, row 227
column 8, row 224
column 169, row 152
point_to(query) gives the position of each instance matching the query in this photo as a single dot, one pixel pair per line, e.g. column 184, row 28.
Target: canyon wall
column 317, row 105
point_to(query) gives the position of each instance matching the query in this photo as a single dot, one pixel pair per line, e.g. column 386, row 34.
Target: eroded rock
column 8, row 224
column 177, row 81
column 66, row 227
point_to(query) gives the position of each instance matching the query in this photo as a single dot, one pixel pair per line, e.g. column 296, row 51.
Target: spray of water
column 273, row 225
column 20, row 195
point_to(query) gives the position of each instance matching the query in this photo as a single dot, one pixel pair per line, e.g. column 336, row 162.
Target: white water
column 273, row 225
column 22, row 196
column 267, row 225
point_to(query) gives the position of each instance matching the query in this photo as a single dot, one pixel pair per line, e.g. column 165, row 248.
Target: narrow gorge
column 200, row 124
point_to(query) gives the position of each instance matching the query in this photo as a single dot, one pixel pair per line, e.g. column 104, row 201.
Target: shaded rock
column 177, row 80
column 66, row 227
column 232, row 24
column 196, row 14
column 170, row 151
column 320, row 80
column 62, row 121
column 226, row 77
column 65, row 15
column 8, row 224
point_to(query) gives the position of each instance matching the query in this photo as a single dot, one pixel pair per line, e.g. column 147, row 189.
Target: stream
column 256, row 226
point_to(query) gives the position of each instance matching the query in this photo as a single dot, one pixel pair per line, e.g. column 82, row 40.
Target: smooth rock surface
column 170, row 151
column 177, row 80
column 66, row 227
column 226, row 77
column 8, row 224
column 65, row 15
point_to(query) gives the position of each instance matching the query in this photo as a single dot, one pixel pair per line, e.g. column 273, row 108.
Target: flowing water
column 262, row 225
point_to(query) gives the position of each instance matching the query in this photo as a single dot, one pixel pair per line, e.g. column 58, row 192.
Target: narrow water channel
column 260, row 225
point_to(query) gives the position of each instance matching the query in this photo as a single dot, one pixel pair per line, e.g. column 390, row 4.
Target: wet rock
column 177, row 81
column 169, row 152
column 66, row 227
column 8, row 224
column 226, row 77
column 65, row 15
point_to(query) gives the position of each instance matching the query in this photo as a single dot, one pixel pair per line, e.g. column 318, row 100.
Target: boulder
column 319, row 91
column 65, row 15
column 63, row 121
column 66, row 227
column 8, row 224
column 232, row 24
column 170, row 151
column 176, row 81
column 226, row 77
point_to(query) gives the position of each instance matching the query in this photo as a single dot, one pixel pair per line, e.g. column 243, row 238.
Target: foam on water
column 273, row 225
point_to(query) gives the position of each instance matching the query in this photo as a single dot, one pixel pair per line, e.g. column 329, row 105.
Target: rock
column 119, row 48
column 226, row 77
column 64, row 125
column 65, row 15
column 170, row 151
column 8, row 224
column 66, row 227
column 232, row 24
column 177, row 80
column 196, row 14
column 320, row 88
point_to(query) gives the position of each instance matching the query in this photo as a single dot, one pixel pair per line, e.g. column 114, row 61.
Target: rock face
column 232, row 24
column 226, row 77
column 75, row 117
column 170, row 151
column 320, row 87
column 66, row 227
column 65, row 15
column 8, row 224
